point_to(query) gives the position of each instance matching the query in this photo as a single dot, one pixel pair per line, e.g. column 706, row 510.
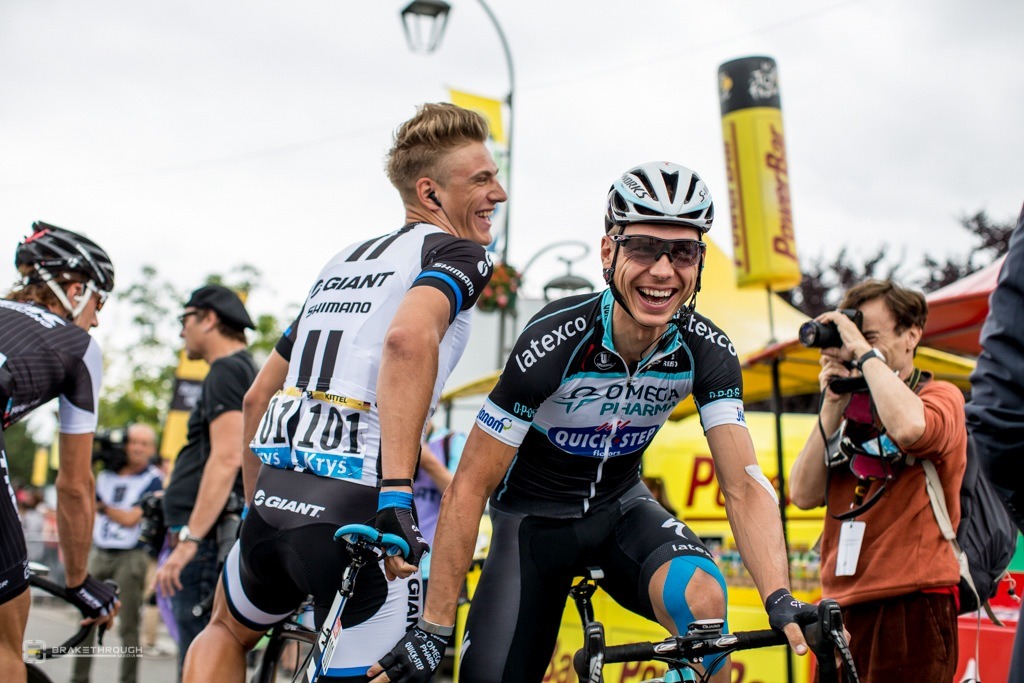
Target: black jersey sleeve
column 286, row 343
column 225, row 386
column 718, row 379
column 456, row 267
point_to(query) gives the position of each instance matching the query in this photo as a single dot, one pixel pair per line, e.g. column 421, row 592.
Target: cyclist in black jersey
column 347, row 391
column 557, row 448
column 46, row 352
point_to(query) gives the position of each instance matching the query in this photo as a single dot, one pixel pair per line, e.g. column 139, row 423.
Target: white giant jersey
column 326, row 420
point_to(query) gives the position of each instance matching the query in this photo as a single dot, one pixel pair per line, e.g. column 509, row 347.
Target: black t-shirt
column 223, row 390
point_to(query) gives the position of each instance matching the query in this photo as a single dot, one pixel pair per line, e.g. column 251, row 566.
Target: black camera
column 814, row 334
column 108, row 448
column 152, row 528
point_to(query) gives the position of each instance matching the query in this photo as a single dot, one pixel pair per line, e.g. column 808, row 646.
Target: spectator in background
column 439, row 458
column 995, row 414
column 883, row 557
column 206, row 485
column 117, row 553
column 33, row 522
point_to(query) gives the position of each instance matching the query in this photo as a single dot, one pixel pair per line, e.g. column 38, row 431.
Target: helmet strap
column 74, row 310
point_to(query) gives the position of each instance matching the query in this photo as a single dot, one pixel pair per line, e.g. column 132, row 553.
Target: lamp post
column 435, row 13
column 565, row 283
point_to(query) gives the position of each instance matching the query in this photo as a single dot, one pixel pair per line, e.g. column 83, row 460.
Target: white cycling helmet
column 660, row 192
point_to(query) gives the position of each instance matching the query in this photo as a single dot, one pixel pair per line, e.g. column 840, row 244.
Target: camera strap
column 865, row 415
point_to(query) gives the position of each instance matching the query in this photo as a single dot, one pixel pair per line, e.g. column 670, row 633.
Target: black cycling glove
column 416, row 656
column 94, row 598
column 784, row 609
column 395, row 516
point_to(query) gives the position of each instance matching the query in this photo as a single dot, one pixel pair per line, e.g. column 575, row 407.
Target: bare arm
column 484, row 462
column 76, row 495
column 807, row 478
column 753, row 515
column 214, row 488
column 129, row 517
column 405, row 383
column 268, row 381
column 219, row 474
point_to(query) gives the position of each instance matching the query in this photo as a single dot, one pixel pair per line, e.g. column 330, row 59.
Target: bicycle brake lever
column 99, row 633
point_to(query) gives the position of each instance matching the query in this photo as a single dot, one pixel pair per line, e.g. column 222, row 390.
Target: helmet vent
column 693, row 186
column 642, row 177
column 671, row 181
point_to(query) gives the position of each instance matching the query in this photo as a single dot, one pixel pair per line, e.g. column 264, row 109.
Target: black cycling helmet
column 53, row 251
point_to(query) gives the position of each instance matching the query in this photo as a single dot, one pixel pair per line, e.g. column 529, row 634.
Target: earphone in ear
column 433, row 197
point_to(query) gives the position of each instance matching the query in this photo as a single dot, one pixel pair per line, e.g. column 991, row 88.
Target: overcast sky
column 196, row 135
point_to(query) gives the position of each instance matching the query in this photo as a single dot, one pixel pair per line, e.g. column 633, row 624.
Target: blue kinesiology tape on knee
column 680, row 571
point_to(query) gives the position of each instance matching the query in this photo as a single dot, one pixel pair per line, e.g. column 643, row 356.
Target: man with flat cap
column 200, row 500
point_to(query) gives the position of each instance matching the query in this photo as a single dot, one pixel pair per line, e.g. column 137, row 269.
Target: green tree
column 21, row 451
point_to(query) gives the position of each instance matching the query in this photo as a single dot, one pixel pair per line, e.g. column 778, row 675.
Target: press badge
column 851, row 534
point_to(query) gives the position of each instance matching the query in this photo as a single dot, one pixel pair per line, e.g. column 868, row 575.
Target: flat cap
column 228, row 306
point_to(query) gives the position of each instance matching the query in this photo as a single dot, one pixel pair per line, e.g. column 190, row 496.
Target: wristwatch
column 185, row 535
column 873, row 353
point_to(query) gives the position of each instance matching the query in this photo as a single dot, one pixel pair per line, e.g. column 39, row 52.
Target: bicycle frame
column 365, row 544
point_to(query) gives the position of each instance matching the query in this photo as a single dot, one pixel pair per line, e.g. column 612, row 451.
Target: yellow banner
column 764, row 243
column 486, row 107
column 188, row 382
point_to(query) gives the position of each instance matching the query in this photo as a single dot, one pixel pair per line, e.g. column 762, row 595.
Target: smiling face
column 655, row 292
column 471, row 192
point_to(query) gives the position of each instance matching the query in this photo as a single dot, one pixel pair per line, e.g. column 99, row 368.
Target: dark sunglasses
column 646, row 250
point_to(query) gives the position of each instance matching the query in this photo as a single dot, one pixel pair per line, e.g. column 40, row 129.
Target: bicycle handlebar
column 824, row 637
column 360, row 533
column 79, row 636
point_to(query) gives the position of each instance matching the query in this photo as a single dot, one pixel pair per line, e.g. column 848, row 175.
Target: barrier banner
column 764, row 245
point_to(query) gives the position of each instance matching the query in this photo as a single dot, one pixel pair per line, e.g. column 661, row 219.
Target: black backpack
column 986, row 538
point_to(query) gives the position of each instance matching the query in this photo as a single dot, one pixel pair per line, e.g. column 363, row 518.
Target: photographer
column 883, row 556
column 117, row 552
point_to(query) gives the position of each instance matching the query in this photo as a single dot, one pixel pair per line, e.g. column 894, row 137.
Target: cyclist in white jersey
column 46, row 352
column 557, row 449
column 348, row 388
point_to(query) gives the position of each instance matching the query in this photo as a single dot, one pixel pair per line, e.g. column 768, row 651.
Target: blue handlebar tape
column 392, row 544
column 394, row 499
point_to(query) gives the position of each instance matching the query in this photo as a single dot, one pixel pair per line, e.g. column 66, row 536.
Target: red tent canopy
column 957, row 311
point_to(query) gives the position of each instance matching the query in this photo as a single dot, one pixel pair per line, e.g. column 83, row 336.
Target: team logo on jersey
column 497, row 424
column 353, row 282
column 485, row 265
column 540, row 346
column 602, row 441
column 604, row 361
column 579, row 397
column 261, row 499
column 710, row 334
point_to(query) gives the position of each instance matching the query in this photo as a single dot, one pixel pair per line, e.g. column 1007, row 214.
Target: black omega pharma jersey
column 43, row 356
column 581, row 420
column 327, row 421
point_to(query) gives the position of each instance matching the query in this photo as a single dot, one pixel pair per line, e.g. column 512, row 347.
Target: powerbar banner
column 188, row 382
column 764, row 245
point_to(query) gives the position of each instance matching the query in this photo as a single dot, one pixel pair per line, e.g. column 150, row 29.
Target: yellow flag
column 486, row 107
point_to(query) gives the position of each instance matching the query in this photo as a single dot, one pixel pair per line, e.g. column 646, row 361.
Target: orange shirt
column 903, row 550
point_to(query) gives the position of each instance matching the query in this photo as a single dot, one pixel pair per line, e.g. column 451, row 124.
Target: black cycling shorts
column 13, row 555
column 286, row 552
column 517, row 608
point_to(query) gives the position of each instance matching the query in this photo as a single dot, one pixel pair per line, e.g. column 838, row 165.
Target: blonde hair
column 421, row 144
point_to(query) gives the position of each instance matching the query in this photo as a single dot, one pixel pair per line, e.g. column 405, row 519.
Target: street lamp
column 568, row 283
column 435, row 13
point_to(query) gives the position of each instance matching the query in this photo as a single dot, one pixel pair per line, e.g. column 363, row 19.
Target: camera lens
column 820, row 335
